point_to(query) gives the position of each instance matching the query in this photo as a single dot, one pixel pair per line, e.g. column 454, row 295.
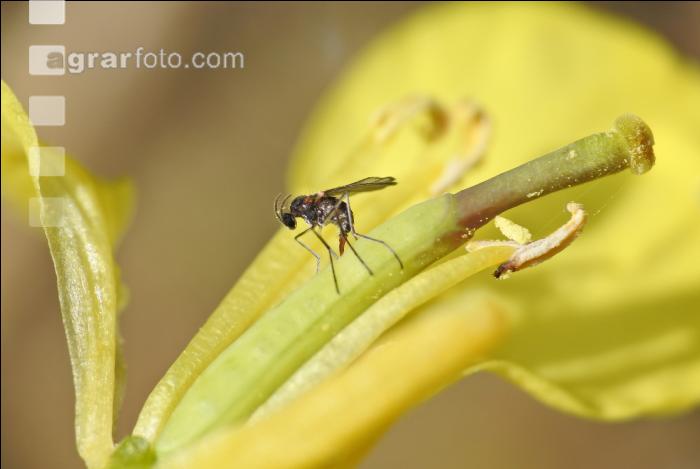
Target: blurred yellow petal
column 92, row 214
column 327, row 428
column 613, row 324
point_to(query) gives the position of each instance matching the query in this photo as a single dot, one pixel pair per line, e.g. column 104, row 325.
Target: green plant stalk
column 133, row 452
column 245, row 374
column 627, row 145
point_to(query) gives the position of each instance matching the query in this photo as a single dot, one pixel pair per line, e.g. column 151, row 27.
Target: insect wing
column 363, row 185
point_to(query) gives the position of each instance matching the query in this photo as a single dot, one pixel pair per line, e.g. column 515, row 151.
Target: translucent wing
column 363, row 185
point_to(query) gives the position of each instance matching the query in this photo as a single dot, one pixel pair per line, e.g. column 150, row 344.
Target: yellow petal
column 92, row 215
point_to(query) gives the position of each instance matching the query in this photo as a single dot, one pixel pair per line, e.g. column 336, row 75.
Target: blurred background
column 199, row 143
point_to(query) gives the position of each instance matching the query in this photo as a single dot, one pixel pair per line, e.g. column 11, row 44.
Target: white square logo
column 47, row 12
column 47, row 161
column 47, row 60
column 47, row 212
column 47, row 110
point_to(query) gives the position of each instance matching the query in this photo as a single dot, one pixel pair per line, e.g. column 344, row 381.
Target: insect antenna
column 279, row 207
column 277, row 210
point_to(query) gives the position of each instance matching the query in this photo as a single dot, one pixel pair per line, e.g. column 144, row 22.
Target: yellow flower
column 608, row 330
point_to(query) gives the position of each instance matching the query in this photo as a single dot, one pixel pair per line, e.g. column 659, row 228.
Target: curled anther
column 532, row 253
column 465, row 117
column 388, row 120
column 474, row 126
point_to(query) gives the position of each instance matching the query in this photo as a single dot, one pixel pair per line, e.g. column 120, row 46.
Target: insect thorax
column 321, row 211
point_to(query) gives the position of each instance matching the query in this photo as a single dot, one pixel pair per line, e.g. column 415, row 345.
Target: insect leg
column 345, row 236
column 318, row 258
column 343, row 239
column 356, row 234
column 330, row 255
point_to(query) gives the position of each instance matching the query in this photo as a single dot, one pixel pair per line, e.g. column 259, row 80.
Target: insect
column 331, row 206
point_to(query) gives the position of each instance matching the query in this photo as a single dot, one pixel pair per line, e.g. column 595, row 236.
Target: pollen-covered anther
column 532, row 253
